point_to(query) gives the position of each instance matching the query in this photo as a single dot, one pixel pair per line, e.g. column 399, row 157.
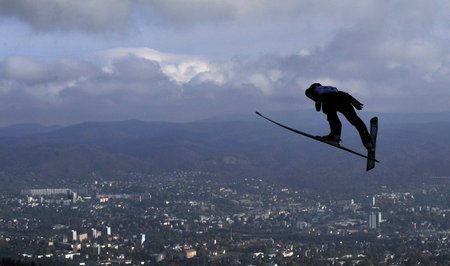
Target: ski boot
column 333, row 139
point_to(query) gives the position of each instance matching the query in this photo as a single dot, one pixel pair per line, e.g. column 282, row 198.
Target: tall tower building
column 74, row 197
column 74, row 235
column 374, row 220
column 93, row 233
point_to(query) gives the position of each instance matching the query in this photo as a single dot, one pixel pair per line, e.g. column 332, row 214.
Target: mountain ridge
column 408, row 152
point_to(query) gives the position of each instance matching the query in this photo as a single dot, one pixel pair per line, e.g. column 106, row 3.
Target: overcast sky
column 67, row 61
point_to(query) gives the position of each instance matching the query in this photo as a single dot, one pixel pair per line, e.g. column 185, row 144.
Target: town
column 181, row 218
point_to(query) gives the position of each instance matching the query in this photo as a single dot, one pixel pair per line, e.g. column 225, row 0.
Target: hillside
column 408, row 152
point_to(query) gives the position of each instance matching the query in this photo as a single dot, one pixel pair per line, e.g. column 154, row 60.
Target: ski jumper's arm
column 313, row 95
column 357, row 104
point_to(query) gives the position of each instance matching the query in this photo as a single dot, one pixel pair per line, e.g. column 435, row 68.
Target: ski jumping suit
column 332, row 101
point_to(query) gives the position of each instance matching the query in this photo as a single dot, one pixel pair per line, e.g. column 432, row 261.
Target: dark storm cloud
column 81, row 91
column 129, row 87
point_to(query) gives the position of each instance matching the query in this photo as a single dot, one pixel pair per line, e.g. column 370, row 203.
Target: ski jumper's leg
column 345, row 107
column 329, row 107
column 334, row 122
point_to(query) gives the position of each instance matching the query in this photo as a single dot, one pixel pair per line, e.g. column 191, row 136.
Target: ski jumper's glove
column 318, row 105
column 358, row 105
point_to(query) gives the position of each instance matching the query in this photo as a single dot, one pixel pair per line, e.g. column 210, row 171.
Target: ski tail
column 373, row 134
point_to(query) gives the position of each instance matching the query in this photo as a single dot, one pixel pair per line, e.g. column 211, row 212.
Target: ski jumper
column 331, row 101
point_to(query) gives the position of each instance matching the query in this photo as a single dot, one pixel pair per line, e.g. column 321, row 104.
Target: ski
column 373, row 134
column 317, row 138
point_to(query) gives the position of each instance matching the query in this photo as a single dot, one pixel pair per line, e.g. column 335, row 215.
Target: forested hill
column 409, row 151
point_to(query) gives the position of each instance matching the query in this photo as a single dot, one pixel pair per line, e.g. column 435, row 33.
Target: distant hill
column 408, row 152
column 19, row 130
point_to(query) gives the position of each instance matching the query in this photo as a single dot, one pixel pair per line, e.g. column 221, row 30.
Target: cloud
column 118, row 15
column 23, row 69
column 128, row 86
column 390, row 55
column 180, row 68
column 31, row 71
column 142, row 83
column 189, row 13
column 99, row 16
column 50, row 15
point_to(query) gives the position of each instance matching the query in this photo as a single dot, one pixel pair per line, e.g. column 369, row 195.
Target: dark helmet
column 310, row 93
column 314, row 85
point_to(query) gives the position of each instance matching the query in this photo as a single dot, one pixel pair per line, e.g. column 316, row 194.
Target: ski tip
column 257, row 113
